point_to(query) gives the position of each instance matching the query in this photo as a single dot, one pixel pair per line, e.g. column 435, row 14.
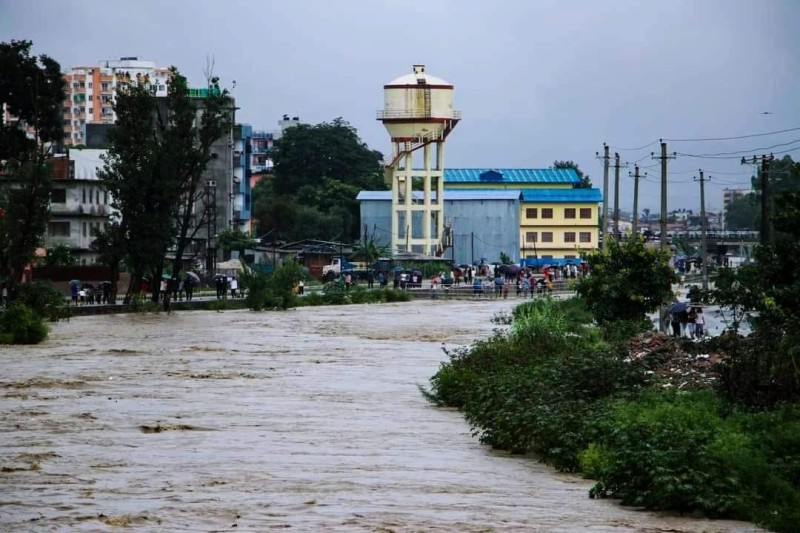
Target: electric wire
column 704, row 139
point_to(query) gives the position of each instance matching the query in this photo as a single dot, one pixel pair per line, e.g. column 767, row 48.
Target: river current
column 305, row 420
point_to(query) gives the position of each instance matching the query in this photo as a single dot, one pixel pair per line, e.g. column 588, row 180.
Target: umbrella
column 398, row 269
column 677, row 307
column 75, row 282
column 194, row 276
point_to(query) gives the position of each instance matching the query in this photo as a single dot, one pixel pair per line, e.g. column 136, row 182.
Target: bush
column 19, row 324
column 626, row 281
column 536, row 388
column 677, row 451
column 45, row 299
column 141, row 303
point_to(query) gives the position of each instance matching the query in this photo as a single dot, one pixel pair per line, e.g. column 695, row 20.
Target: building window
column 547, row 212
column 97, row 198
column 84, row 229
column 84, row 196
column 586, row 212
column 58, row 196
column 547, row 257
column 586, row 236
column 547, row 236
column 58, row 229
column 105, row 197
column 569, row 236
column 531, row 212
column 569, row 212
column 530, row 236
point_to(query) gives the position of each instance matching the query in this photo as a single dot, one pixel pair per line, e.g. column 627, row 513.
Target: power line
column 736, row 156
column 639, row 148
column 765, row 134
column 739, row 152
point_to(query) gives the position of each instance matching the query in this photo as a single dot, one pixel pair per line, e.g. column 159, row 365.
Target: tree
column 586, row 182
column 369, row 249
column 112, row 249
column 235, row 239
column 627, row 280
column 322, row 168
column 158, row 152
column 59, row 255
column 33, row 91
column 743, row 213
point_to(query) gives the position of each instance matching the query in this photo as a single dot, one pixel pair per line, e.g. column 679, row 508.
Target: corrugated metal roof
column 511, row 175
column 374, row 195
column 449, row 195
column 562, row 195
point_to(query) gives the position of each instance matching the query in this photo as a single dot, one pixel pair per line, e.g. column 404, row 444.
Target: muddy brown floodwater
column 308, row 419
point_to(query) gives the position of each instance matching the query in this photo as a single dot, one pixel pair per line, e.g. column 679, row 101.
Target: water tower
column 418, row 114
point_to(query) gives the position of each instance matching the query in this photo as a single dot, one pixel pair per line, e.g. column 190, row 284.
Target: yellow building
column 557, row 219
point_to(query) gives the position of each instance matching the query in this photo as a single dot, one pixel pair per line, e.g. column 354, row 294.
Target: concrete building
column 92, row 90
column 524, row 213
column 79, row 204
column 557, row 220
column 468, row 237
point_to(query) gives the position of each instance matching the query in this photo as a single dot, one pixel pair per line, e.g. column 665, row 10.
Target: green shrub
column 142, row 303
column 678, row 451
column 45, row 299
column 218, row 305
column 20, row 324
column 392, row 295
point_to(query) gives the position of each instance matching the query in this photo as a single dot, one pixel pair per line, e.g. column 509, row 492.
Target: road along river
column 308, row 419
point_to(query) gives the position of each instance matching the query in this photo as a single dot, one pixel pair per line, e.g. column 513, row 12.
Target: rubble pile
column 671, row 361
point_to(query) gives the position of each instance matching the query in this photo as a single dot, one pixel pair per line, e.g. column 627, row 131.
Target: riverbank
column 307, row 419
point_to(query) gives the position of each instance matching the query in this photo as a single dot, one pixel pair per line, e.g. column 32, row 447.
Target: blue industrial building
column 469, row 237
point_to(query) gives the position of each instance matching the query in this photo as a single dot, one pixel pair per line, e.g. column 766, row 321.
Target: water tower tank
column 418, row 105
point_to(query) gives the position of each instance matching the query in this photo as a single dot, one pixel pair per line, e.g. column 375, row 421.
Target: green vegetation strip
column 570, row 392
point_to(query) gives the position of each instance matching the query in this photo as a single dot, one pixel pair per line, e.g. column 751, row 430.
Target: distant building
column 728, row 197
column 524, row 213
column 79, row 204
column 92, row 90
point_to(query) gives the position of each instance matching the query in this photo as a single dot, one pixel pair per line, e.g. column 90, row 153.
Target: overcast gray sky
column 536, row 80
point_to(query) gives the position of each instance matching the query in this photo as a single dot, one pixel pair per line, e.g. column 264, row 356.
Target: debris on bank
column 672, row 362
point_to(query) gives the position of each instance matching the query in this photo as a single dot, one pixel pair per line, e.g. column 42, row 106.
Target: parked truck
column 341, row 265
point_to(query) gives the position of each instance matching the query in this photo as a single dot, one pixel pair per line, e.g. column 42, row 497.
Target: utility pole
column 605, row 195
column 766, row 201
column 616, row 195
column 703, row 228
column 663, row 157
column 636, row 176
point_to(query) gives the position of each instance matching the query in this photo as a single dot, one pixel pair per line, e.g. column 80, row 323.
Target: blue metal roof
column 449, row 195
column 562, row 195
column 510, row 175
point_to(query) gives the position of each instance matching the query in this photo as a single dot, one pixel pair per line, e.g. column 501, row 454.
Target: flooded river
column 308, row 419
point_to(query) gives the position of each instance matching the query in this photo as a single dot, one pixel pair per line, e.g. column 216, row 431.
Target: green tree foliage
column 272, row 291
column 369, row 250
column 111, row 246
column 33, row 90
column 318, row 172
column 59, row 255
column 743, row 213
column 156, row 157
column 235, row 239
column 586, row 182
column 627, row 281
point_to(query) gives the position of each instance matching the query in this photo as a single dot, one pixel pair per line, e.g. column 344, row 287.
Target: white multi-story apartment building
column 91, row 91
column 79, row 204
